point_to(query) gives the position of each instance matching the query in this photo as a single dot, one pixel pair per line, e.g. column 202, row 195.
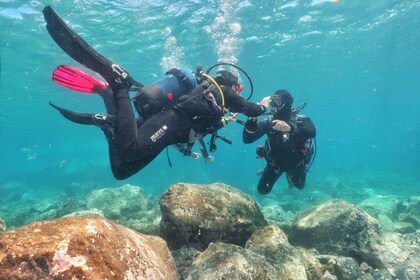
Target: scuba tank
column 165, row 92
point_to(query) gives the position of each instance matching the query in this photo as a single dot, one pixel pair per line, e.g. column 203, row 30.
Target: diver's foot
column 121, row 80
column 103, row 120
column 97, row 119
column 106, row 123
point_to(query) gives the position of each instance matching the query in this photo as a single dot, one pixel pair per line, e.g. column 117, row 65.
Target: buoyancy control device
column 165, row 92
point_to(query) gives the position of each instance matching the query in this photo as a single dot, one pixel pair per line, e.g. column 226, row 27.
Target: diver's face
column 280, row 108
column 277, row 103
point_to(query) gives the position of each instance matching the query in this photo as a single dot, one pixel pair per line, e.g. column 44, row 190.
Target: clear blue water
column 356, row 64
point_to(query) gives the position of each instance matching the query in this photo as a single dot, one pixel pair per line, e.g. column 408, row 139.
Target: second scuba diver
column 288, row 147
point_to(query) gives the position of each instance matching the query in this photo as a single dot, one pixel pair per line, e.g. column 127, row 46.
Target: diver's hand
column 265, row 101
column 195, row 155
column 281, row 126
column 209, row 159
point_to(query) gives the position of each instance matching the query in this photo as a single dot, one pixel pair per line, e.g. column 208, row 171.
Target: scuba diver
column 132, row 147
column 149, row 100
column 289, row 145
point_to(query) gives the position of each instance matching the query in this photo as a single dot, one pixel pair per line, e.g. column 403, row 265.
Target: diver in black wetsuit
column 199, row 114
column 288, row 147
column 131, row 147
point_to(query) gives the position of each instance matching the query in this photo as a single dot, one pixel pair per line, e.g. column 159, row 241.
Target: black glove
column 251, row 124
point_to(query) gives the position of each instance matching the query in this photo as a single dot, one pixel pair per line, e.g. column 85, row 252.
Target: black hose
column 240, row 69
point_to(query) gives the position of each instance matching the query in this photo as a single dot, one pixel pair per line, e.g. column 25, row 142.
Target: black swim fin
column 97, row 119
column 79, row 50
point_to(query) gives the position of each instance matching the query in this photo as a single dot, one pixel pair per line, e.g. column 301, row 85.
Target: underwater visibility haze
column 355, row 64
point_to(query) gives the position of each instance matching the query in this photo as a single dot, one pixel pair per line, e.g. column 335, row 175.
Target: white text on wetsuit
column 158, row 133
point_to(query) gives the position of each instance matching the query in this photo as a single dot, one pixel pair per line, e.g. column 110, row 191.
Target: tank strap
column 185, row 80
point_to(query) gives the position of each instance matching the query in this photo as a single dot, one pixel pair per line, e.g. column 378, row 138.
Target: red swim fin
column 77, row 79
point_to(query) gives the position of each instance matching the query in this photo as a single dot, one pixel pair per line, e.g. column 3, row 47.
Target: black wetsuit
column 284, row 152
column 132, row 147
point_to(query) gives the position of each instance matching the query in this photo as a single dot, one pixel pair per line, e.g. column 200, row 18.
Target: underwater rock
column 71, row 205
column 195, row 215
column 385, row 205
column 394, row 252
column 89, row 212
column 335, row 227
column 274, row 214
column 314, row 269
column 410, row 218
column 387, row 225
column 381, row 274
column 228, row 261
column 148, row 223
column 404, row 227
column 271, row 242
column 83, row 248
column 344, row 268
column 119, row 204
column 12, row 191
column 2, row 226
column 412, row 211
column 328, row 276
column 184, row 258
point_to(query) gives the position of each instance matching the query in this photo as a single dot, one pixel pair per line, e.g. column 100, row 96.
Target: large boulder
column 271, row 242
column 195, row 215
column 396, row 253
column 411, row 211
column 335, row 227
column 119, row 204
column 313, row 267
column 228, row 261
column 83, row 248
column 274, row 214
column 344, row 268
column 381, row 205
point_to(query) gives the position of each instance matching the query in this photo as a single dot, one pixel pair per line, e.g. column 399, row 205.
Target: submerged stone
column 83, row 248
column 271, row 242
column 228, row 261
column 196, row 215
column 335, row 227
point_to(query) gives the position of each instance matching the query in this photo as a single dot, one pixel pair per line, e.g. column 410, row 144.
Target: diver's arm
column 237, row 104
column 253, row 130
column 304, row 127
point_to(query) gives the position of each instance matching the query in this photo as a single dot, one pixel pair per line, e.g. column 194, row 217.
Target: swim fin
column 79, row 50
column 78, row 80
column 101, row 120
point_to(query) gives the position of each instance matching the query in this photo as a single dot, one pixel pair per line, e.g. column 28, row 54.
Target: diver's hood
column 226, row 78
column 281, row 105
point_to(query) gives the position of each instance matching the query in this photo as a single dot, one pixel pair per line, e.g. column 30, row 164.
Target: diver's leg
column 268, row 179
column 131, row 149
column 108, row 99
column 297, row 177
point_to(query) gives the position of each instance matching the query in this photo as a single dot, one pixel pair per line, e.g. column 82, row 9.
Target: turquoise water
column 356, row 64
